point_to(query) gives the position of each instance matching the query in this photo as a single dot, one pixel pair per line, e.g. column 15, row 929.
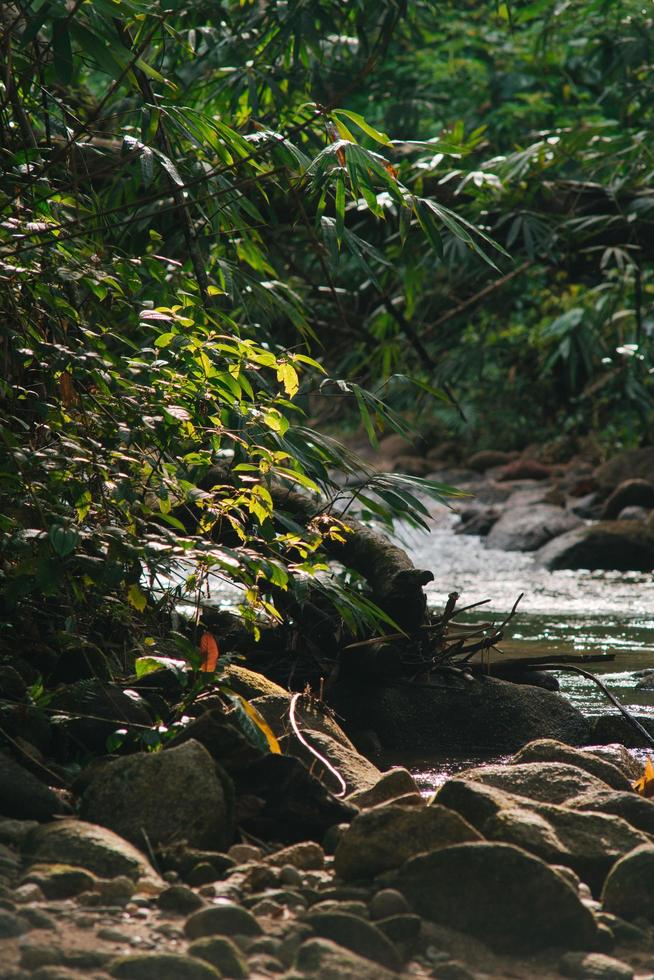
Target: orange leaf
column 340, row 156
column 645, row 785
column 390, row 169
column 209, row 651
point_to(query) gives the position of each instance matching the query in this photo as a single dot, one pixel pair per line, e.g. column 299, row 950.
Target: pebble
column 202, row 873
column 29, row 892
column 452, row 971
column 37, row 918
column 387, row 902
column 353, row 907
column 264, row 964
column 307, row 856
column 267, row 907
column 113, row 935
column 355, row 934
column 225, row 919
column 222, row 953
column 162, row 966
column 289, row 875
column 116, row 891
column 33, row 955
column 594, row 966
column 244, row 852
column 54, row 973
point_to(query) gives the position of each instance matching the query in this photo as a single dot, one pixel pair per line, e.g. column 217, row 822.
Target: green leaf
column 62, row 51
column 64, row 540
column 362, row 124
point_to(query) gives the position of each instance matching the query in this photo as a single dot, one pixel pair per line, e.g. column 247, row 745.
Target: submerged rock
column 498, row 893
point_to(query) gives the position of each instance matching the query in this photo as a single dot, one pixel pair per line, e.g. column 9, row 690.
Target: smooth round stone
column 289, row 875
column 225, row 919
column 11, row 925
column 162, row 966
column 179, row 898
column 388, row 902
column 222, row 953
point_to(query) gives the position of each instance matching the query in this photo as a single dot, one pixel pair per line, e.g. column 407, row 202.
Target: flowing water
column 561, row 612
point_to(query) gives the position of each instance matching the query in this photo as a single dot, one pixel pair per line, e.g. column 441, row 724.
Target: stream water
column 561, row 612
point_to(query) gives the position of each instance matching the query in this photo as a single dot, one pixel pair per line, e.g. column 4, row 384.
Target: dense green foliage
column 205, row 228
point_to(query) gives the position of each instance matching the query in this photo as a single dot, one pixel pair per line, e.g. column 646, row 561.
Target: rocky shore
column 210, row 858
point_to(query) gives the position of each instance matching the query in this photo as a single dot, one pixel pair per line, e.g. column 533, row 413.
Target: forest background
column 233, row 232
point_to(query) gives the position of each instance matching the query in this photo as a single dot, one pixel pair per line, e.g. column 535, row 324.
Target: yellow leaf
column 645, row 785
column 136, row 598
column 287, row 375
column 261, row 724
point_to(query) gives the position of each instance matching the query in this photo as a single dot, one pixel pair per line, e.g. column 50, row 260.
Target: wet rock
column 25, row 797
column 222, row 953
column 170, row 795
column 60, row 880
column 384, row 837
column 356, row 934
column 646, row 682
column 387, row 902
column 528, row 528
column 322, row 959
column 635, row 809
column 162, row 966
column 225, row 919
column 307, row 856
column 622, row 545
column 634, row 514
column 357, row 771
column 594, row 966
column 615, row 728
column 95, row 848
column 589, row 843
column 498, row 893
column 549, row 750
column 629, row 889
column 390, row 785
column 478, row 521
column 292, row 804
column 498, row 715
column 179, row 898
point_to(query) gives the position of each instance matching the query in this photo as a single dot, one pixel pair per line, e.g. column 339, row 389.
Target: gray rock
column 390, row 785
column 633, row 514
column 594, row 966
column 547, row 782
column 629, row 888
column 635, row 809
column 60, row 880
column 352, row 907
column 36, row 954
column 383, row 838
column 37, row 918
column 225, row 919
column 549, row 750
column 528, row 527
column 622, row 545
column 615, row 728
column 633, row 464
column 171, row 795
column 387, row 902
column 162, row 966
column 222, row 953
column 629, row 493
column 499, row 716
column 322, row 959
column 97, row 849
column 25, row 797
column 589, row 843
column 497, row 893
column 355, row 934
column 402, row 929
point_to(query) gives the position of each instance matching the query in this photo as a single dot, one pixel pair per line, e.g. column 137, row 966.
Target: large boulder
column 634, row 464
column 549, row 750
column 487, row 714
column 629, row 888
column 589, row 843
column 83, row 845
column 162, row 797
column 546, row 782
column 622, row 545
column 498, row 893
column 384, row 837
column 529, row 527
column 611, row 728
